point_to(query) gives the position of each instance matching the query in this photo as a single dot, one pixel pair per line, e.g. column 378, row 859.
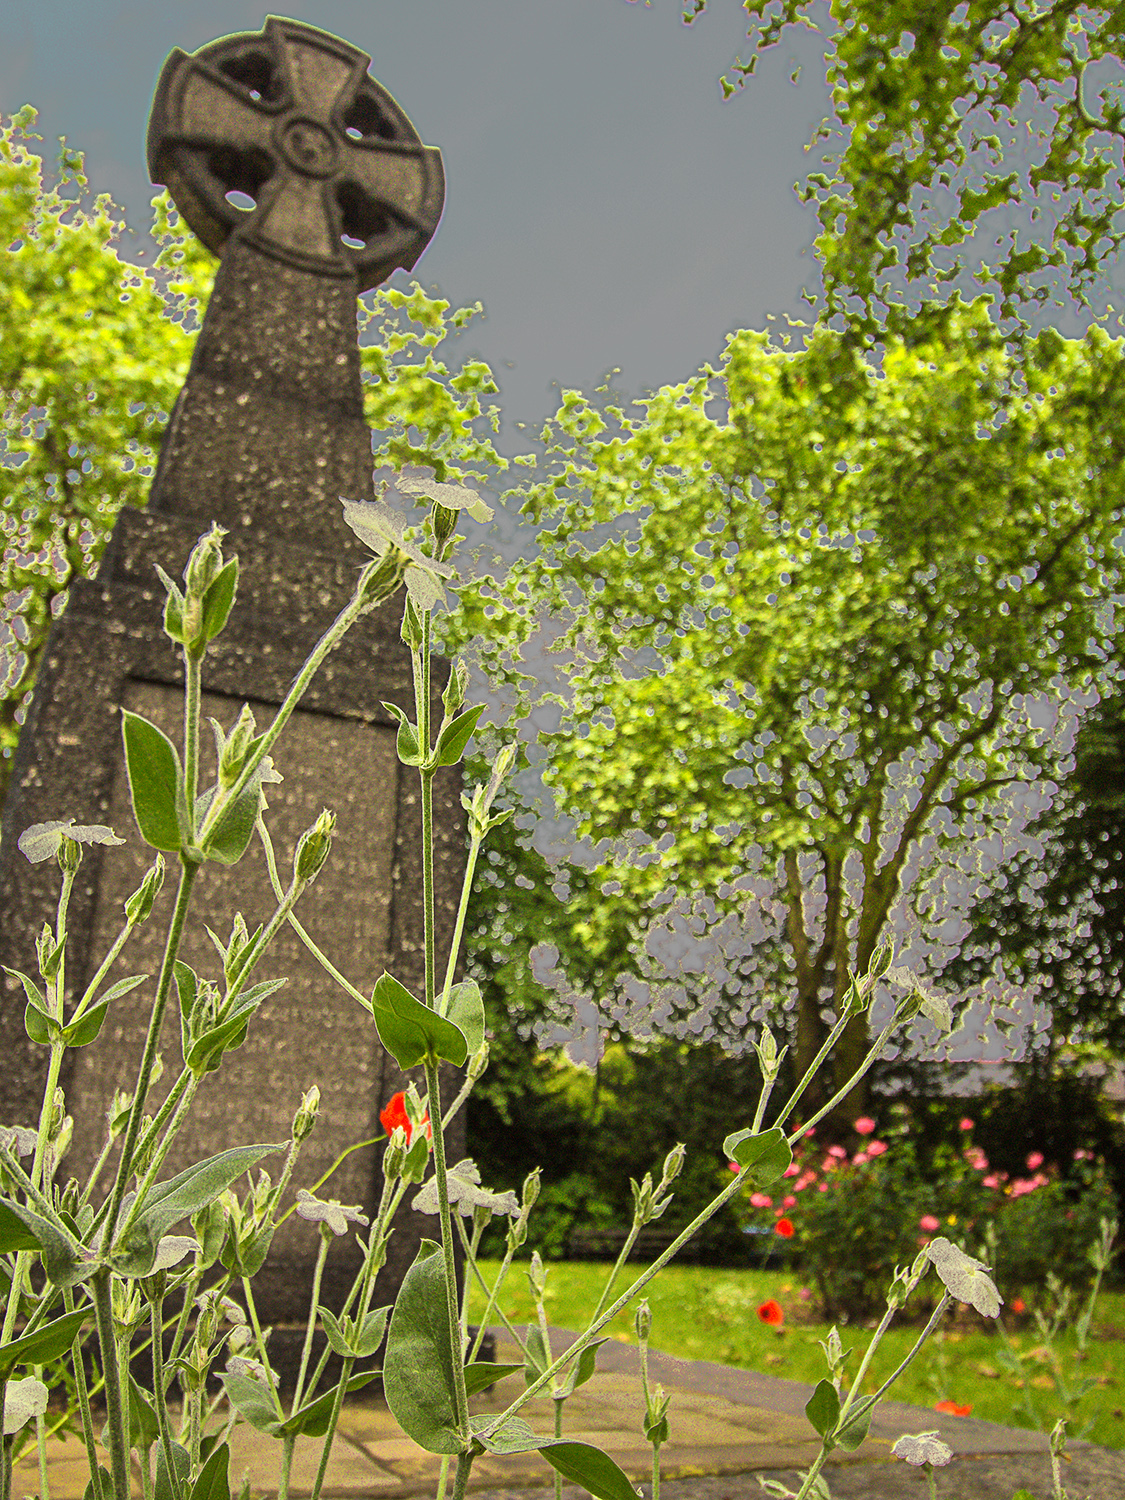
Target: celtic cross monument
column 304, row 176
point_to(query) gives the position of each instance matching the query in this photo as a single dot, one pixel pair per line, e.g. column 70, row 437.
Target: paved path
column 728, row 1428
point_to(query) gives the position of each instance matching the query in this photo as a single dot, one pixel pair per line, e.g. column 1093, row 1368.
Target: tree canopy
column 953, row 116
column 93, row 352
column 807, row 604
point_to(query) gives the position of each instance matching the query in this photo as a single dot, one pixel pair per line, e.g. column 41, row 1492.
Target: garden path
column 729, row 1428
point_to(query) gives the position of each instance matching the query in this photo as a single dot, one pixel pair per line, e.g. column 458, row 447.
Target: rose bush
column 852, row 1219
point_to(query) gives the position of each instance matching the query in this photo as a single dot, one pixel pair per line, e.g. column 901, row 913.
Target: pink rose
column 864, row 1126
column 876, row 1148
column 929, row 1223
column 991, row 1182
column 966, row 1124
column 822, row 1187
column 1034, row 1160
column 859, row 1158
column 838, row 1152
column 761, row 1200
column 789, row 1201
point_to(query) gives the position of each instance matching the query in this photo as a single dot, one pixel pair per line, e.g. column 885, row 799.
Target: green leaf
column 466, row 1011
column 582, row 1368
column 123, row 986
column 85, row 1030
column 107, row 1485
column 823, row 1408
column 181, row 1466
column 455, row 736
column 219, row 599
column 767, row 1154
column 229, row 839
column 406, row 741
column 206, row 1054
column 155, row 783
column 195, row 1188
column 34, row 994
column 536, row 1362
column 39, row 1026
column 581, row 1463
column 14, row 1233
column 312, row 1420
column 135, row 1255
column 859, row 1424
column 144, row 1430
column 410, row 1031
column 418, row 1379
column 252, row 1400
column 46, row 1344
column 214, row 1477
column 60, row 1252
column 334, row 1334
column 481, row 1374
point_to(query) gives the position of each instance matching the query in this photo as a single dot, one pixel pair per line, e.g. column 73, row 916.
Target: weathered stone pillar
column 267, row 434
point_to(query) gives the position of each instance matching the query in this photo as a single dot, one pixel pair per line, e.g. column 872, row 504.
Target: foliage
column 1056, row 920
column 854, row 582
column 853, row 1220
column 927, row 145
column 93, row 352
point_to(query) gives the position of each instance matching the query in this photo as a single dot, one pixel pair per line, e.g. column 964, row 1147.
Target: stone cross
column 289, row 161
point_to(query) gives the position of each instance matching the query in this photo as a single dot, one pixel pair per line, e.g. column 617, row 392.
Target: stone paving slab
column 727, row 1427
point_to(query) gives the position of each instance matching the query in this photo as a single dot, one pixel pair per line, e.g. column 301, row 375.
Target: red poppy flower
column 1018, row 1305
column 784, row 1227
column 395, row 1114
column 953, row 1409
column 770, row 1312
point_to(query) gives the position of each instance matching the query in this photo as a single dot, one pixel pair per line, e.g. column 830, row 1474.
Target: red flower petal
column 784, row 1227
column 770, row 1312
column 953, row 1409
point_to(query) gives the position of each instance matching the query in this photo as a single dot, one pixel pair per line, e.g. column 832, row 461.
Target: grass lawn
column 698, row 1313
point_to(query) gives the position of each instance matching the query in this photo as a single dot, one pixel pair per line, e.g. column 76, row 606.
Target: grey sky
column 603, row 203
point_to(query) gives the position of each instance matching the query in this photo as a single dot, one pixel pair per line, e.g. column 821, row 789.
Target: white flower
column 19, row 1139
column 965, row 1277
column 23, row 1401
column 465, row 1193
column 253, row 1369
column 922, row 1448
column 171, row 1250
column 334, row 1214
column 450, row 496
column 383, row 530
column 42, row 840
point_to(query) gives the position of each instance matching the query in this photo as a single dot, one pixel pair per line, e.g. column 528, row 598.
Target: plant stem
column 159, row 1402
column 318, row 1272
column 193, row 677
column 461, row 1478
column 188, row 871
column 260, row 1345
column 111, row 1375
column 345, row 1375
column 433, row 1089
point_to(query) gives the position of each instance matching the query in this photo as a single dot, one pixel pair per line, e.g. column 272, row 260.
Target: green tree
column 950, row 117
column 807, row 603
column 1057, row 919
column 93, row 352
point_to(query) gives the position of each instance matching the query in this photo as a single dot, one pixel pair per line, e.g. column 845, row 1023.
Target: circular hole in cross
column 241, row 174
column 365, row 118
column 361, row 217
column 255, row 71
column 240, row 200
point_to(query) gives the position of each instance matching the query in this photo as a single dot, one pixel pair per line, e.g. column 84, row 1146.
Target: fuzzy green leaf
column 155, row 783
column 418, row 1378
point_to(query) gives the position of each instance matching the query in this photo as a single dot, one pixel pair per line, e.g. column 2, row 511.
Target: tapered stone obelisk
column 267, row 433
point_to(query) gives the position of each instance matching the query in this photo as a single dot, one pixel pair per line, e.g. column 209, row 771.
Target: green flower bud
column 313, row 848
column 69, row 855
column 305, row 1118
column 204, row 564
column 236, row 748
column 642, row 1321
column 394, row 1157
column 444, row 522
column 139, row 905
column 411, row 632
column 455, row 689
column 673, row 1165
column 68, row 1202
column 49, row 952
column 117, row 1115
column 537, row 1275
column 478, row 1062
